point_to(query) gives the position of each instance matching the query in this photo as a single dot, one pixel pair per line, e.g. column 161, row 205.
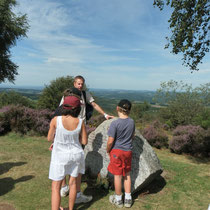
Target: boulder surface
column 145, row 163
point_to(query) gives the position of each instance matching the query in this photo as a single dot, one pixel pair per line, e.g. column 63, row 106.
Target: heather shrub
column 206, row 144
column 95, row 121
column 189, row 139
column 155, row 135
column 89, row 129
column 23, row 120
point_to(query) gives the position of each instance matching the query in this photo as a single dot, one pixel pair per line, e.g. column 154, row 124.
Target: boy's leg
column 117, row 198
column 55, row 197
column 127, row 187
column 127, row 182
column 118, row 184
column 72, row 192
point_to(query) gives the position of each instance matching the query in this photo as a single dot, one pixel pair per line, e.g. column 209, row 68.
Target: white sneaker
column 83, row 198
column 113, row 200
column 64, row 191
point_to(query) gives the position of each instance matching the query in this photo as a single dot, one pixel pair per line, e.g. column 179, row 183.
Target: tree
column 12, row 28
column 185, row 103
column 138, row 110
column 189, row 24
column 12, row 97
column 52, row 94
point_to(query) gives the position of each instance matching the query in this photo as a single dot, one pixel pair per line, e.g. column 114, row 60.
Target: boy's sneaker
column 128, row 203
column 83, row 198
column 113, row 200
column 64, row 191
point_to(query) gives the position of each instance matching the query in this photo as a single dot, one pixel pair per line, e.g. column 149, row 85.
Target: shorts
column 69, row 164
column 120, row 162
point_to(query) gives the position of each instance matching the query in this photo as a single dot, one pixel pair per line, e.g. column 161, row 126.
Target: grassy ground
column 24, row 183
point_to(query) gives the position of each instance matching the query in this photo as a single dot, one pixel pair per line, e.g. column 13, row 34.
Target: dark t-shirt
column 122, row 131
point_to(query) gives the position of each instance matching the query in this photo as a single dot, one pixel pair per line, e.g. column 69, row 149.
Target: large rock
column 145, row 163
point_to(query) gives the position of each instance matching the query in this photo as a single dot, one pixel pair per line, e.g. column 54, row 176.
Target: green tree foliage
column 52, row 94
column 138, row 110
column 185, row 103
column 189, row 24
column 12, row 27
column 12, row 97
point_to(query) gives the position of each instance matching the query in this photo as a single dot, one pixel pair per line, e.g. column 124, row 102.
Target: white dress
column 67, row 156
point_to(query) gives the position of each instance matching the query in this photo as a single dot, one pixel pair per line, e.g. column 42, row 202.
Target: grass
column 24, row 183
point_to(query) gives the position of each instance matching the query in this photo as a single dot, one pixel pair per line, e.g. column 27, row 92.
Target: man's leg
column 64, row 188
column 79, row 179
column 81, row 198
column 55, row 197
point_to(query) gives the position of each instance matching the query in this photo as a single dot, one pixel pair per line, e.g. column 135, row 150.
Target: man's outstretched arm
column 100, row 110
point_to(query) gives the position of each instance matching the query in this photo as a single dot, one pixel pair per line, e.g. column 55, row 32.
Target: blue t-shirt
column 122, row 131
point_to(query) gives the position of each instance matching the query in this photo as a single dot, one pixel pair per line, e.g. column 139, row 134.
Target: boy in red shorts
column 119, row 147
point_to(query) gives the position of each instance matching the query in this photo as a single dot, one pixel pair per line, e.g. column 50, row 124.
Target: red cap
column 71, row 101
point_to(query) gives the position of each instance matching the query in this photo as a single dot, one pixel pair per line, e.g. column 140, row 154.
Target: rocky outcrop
column 145, row 163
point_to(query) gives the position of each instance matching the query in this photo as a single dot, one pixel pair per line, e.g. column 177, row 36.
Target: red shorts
column 120, row 162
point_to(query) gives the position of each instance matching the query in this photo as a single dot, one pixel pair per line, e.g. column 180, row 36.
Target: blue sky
column 117, row 44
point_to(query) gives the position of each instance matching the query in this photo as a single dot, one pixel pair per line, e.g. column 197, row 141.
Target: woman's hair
column 74, row 112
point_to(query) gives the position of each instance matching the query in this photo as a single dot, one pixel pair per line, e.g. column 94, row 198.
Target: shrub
column 155, row 136
column 184, row 103
column 203, row 119
column 206, row 143
column 189, row 139
column 23, row 120
column 95, row 121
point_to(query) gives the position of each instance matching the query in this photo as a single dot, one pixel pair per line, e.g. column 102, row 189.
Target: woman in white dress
column 68, row 133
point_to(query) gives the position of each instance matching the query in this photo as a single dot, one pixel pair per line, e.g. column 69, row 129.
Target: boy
column 119, row 147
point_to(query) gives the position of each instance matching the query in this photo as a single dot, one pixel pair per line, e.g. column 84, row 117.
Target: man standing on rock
column 79, row 82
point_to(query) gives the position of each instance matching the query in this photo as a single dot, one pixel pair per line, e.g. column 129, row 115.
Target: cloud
column 113, row 44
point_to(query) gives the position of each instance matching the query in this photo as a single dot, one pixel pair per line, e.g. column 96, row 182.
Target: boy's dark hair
column 74, row 112
column 124, row 106
column 79, row 77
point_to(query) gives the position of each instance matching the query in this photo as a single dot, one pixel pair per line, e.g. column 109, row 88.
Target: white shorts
column 72, row 164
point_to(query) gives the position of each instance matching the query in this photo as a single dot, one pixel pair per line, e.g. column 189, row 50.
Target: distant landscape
column 107, row 98
column 112, row 94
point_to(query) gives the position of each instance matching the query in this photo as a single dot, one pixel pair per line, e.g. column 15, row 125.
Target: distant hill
column 132, row 95
column 30, row 93
column 108, row 99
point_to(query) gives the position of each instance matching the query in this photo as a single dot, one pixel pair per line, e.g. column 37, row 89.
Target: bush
column 95, row 121
column 51, row 95
column 23, row 120
column 191, row 140
column 184, row 103
column 203, row 119
column 155, row 135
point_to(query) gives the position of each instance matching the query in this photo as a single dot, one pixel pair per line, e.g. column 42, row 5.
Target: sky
column 113, row 44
